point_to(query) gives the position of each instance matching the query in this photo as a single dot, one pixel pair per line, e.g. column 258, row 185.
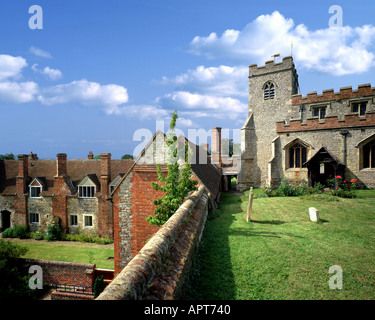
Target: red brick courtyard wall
column 58, row 272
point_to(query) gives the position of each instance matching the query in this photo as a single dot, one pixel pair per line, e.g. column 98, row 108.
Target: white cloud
column 18, row 92
column 53, row 74
column 142, row 111
column 333, row 50
column 218, row 81
column 87, row 93
column 182, row 122
column 198, row 105
column 40, row 53
column 11, row 67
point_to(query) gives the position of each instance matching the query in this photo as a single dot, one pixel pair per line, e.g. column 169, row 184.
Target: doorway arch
column 4, row 219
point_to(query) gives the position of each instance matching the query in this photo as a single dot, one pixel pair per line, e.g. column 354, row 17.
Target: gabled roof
column 206, row 173
column 45, row 171
column 323, row 155
column 41, row 181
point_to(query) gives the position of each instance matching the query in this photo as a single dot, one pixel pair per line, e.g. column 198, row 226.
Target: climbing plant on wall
column 176, row 184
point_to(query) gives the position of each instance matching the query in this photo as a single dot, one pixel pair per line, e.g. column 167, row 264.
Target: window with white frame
column 86, row 191
column 35, row 191
column 88, row 221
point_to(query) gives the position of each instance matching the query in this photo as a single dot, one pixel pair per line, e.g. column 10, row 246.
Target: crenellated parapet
column 363, row 90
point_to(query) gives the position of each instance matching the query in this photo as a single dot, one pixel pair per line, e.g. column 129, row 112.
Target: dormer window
column 35, row 188
column 269, row 91
column 87, row 188
column 35, row 192
column 86, row 191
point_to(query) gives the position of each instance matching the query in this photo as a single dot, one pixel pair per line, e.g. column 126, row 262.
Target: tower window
column 269, row 91
column 319, row 113
column 359, row 107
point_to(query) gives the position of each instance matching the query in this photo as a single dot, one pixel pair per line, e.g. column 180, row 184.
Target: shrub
column 38, row 235
column 8, row 233
column 287, row 189
column 86, row 237
column 344, row 193
column 20, row 232
column 99, row 286
column 15, row 232
column 54, row 232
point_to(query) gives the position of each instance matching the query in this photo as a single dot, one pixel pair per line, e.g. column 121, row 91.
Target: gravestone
column 314, row 214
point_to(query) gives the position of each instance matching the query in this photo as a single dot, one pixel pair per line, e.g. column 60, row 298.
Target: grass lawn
column 80, row 254
column 281, row 254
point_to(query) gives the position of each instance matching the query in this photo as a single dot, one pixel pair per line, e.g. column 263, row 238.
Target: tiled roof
column 45, row 170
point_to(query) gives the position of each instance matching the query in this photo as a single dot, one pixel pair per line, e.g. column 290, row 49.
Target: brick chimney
column 105, row 219
column 61, row 164
column 105, row 164
column 216, row 147
column 90, row 156
column 20, row 203
column 23, row 172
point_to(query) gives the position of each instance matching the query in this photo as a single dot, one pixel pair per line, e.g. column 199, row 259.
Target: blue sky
column 100, row 70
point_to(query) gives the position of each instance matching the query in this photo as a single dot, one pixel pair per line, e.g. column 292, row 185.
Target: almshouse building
column 33, row 191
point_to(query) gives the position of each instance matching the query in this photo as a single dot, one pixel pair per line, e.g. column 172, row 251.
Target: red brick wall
column 58, row 272
column 329, row 123
column 142, row 207
column 345, row 93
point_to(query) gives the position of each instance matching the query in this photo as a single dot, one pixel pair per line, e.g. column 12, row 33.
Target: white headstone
column 314, row 214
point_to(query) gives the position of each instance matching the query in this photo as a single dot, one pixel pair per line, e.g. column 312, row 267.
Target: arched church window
column 368, row 155
column 269, row 91
column 297, row 156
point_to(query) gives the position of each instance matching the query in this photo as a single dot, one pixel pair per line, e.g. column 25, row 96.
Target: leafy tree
column 127, row 156
column 98, row 157
column 12, row 283
column 7, row 156
column 176, row 185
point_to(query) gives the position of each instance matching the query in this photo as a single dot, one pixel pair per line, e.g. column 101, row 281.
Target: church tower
column 270, row 100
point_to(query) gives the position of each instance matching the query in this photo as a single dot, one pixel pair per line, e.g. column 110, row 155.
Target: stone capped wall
column 160, row 269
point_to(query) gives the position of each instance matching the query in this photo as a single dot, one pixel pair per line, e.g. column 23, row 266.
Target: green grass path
column 281, row 254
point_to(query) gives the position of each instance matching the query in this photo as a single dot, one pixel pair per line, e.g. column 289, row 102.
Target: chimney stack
column 105, row 220
column 216, row 147
column 61, row 164
column 105, row 164
column 23, row 172
column 90, row 156
column 23, row 167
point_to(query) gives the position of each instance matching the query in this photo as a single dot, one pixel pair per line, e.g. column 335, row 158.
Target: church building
column 312, row 137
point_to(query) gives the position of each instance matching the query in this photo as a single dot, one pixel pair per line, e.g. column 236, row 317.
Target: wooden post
column 250, row 205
